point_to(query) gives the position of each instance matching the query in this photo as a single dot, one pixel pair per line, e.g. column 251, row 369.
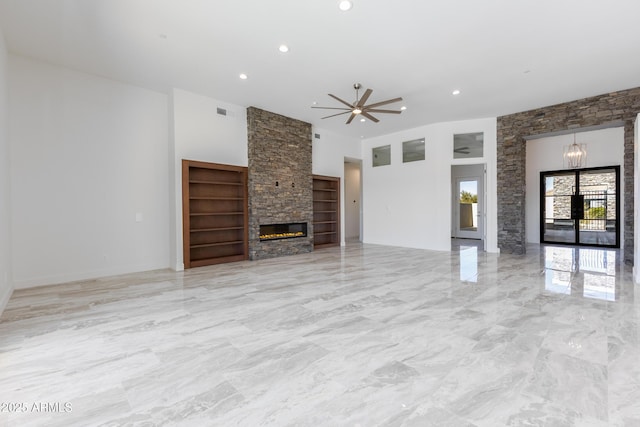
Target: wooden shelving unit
column 326, row 211
column 215, row 213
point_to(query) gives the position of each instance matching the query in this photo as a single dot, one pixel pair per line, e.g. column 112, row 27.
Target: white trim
column 4, row 299
column 87, row 275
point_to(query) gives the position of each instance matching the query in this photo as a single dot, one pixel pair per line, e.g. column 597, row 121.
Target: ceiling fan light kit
column 360, row 106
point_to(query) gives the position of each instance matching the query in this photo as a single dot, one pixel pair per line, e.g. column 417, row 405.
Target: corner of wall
column 6, row 285
column 5, row 296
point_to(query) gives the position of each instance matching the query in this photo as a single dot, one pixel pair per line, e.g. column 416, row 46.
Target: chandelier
column 575, row 155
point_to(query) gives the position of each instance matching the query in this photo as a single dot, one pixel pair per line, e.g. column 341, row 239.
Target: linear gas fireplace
column 283, row 231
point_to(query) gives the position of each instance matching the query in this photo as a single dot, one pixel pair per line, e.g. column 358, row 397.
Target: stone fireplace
column 292, row 230
column 280, row 183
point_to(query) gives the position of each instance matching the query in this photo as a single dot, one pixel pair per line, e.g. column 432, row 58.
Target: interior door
column 469, row 208
column 580, row 207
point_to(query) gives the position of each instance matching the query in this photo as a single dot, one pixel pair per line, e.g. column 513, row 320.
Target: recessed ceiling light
column 363, row 119
column 314, row 103
column 456, row 92
column 403, row 108
column 283, row 48
column 243, row 76
column 345, row 5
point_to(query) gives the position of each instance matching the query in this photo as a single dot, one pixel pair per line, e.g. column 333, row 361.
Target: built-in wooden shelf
column 199, row 181
column 203, row 230
column 326, row 211
column 215, row 213
column 214, row 198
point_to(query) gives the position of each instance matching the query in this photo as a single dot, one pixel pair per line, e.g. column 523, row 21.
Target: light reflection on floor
column 469, row 264
column 590, row 272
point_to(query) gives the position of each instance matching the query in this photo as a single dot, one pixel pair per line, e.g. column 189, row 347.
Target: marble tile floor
column 362, row 335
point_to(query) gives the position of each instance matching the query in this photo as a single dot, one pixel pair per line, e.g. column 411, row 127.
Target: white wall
column 605, row 147
column 6, row 286
column 200, row 133
column 89, row 157
column 409, row 204
column 329, row 153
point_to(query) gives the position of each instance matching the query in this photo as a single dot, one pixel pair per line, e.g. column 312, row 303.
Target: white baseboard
column 85, row 275
column 4, row 298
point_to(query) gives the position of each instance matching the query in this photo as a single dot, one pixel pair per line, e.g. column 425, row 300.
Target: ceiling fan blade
column 370, row 117
column 333, row 108
column 351, row 118
column 340, row 100
column 364, row 98
column 374, row 110
column 339, row 114
column 378, row 104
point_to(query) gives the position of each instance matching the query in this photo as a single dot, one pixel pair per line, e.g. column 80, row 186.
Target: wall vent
column 222, row 111
column 316, row 135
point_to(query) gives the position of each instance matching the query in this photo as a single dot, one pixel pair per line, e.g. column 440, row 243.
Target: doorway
column 352, row 200
column 581, row 207
column 468, row 201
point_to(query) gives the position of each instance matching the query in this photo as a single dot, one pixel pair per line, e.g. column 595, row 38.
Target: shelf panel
column 325, row 245
column 333, row 212
column 217, row 260
column 198, row 181
column 325, row 189
column 204, row 230
column 234, row 199
column 325, row 233
column 324, row 222
column 215, row 213
column 210, row 245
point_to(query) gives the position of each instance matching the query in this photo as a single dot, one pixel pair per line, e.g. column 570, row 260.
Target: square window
column 413, row 151
column 468, row 145
column 381, row 156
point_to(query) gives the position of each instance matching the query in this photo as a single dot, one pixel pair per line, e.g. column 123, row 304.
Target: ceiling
column 504, row 56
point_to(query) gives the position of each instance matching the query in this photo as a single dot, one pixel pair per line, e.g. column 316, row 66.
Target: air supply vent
column 316, row 135
column 222, row 111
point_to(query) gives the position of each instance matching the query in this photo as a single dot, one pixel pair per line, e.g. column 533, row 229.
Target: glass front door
column 580, row 207
column 469, row 208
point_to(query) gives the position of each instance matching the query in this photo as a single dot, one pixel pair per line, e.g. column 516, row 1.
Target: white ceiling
column 504, row 55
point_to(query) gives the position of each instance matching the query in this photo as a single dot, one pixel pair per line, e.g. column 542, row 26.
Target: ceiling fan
column 359, row 107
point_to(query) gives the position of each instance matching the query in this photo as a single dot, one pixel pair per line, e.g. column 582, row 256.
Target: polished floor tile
column 363, row 335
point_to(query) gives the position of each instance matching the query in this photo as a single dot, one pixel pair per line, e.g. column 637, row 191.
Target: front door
column 580, row 207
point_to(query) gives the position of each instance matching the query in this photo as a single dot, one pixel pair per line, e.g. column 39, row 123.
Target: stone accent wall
column 615, row 107
column 279, row 152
